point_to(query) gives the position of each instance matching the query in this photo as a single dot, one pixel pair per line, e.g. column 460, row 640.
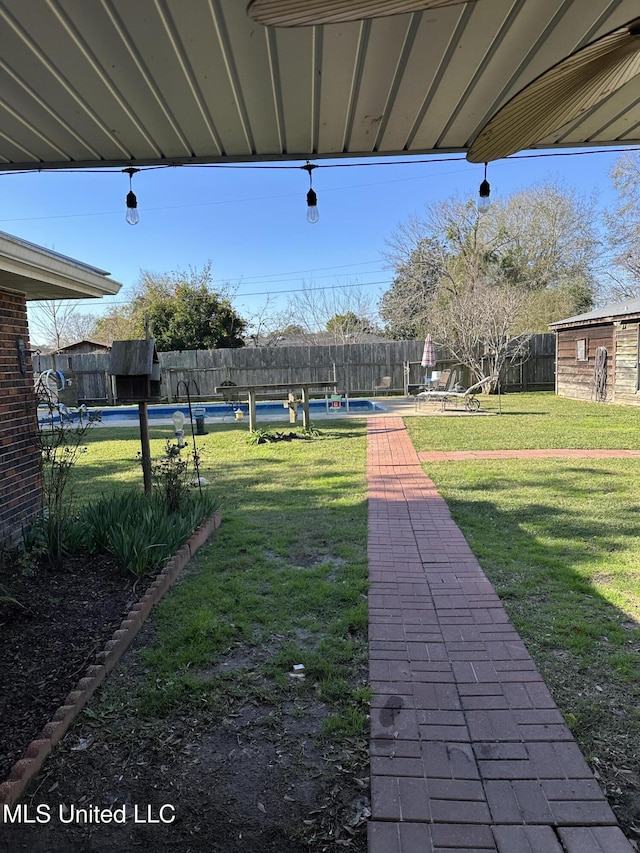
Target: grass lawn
column 285, row 572
column 530, row 421
column 560, row 541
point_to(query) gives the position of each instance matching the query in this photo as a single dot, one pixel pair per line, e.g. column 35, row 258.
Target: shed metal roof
column 609, row 313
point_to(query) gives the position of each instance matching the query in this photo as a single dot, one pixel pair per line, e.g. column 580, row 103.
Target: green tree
column 418, row 271
column 115, row 325
column 183, row 311
column 348, row 324
column 482, row 284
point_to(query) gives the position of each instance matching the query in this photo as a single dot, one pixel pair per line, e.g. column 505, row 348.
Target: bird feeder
column 135, row 368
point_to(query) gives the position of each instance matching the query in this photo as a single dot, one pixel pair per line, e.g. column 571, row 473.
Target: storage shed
column 597, row 354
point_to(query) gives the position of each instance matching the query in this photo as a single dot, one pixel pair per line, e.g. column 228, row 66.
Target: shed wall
column 626, row 364
column 576, row 379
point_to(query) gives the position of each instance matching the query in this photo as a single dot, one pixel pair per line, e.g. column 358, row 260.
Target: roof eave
column 37, row 274
column 597, row 321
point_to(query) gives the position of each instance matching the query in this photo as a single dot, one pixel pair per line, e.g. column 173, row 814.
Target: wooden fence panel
column 358, row 368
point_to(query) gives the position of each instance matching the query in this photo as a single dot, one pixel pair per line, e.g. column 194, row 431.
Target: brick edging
column 35, row 754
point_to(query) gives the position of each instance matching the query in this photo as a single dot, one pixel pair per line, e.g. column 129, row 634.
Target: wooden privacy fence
column 356, row 369
column 538, row 372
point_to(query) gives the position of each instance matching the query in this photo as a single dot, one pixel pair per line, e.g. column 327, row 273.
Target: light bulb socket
column 312, row 199
column 485, row 189
column 132, row 201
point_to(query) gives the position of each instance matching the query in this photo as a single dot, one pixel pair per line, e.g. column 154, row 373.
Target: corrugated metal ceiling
column 136, row 82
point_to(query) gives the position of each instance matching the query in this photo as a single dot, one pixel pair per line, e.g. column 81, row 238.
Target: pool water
column 220, row 410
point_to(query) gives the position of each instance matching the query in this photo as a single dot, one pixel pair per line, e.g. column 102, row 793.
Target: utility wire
column 102, row 301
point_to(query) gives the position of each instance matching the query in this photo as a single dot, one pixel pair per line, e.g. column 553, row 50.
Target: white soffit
column 39, row 273
column 118, row 83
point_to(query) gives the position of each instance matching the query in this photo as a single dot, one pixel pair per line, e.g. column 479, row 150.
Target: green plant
column 310, row 430
column 263, row 436
column 260, row 436
column 140, row 532
column 61, row 444
column 174, row 475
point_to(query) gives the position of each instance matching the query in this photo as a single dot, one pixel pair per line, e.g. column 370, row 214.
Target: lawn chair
column 465, row 398
column 385, row 385
column 441, row 381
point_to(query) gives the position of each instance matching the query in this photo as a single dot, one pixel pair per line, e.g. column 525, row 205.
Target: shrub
column 138, row 531
column 174, row 476
column 61, row 442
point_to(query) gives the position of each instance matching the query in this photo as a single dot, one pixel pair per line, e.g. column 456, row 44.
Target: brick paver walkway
column 469, row 753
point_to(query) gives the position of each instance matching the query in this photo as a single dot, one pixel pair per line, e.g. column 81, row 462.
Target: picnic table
column 287, row 389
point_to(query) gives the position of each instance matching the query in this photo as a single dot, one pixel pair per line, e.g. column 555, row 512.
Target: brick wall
column 20, row 482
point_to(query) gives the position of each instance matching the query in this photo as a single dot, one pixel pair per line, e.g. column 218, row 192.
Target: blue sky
column 251, row 222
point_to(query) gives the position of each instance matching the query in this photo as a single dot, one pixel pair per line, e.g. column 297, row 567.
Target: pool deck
column 404, row 406
column 469, row 753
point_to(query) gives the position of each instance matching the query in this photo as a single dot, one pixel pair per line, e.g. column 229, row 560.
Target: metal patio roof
column 136, row 82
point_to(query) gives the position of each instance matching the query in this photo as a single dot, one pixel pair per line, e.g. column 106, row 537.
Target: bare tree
column 57, row 323
column 269, row 325
column 482, row 284
column 477, row 333
column 332, row 310
column 623, row 226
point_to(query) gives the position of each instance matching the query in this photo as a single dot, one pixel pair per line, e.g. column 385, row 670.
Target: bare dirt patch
column 250, row 775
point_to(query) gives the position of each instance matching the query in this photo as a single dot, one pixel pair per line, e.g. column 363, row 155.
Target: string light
column 485, row 192
column 312, row 199
column 133, row 217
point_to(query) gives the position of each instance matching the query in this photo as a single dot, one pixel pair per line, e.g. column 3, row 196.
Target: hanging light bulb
column 312, row 199
column 312, row 207
column 133, row 217
column 484, row 201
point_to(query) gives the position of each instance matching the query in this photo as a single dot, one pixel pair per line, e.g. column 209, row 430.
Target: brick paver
column 468, row 750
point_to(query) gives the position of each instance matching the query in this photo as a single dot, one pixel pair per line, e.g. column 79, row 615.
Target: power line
column 315, row 269
column 103, row 303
